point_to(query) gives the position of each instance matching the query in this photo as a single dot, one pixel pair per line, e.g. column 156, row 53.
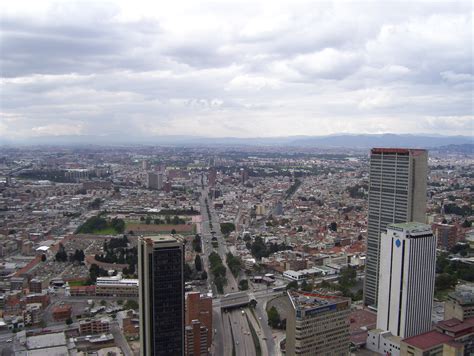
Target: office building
column 446, row 235
column 407, row 277
column 161, row 295
column 116, row 286
column 317, row 324
column 160, row 181
column 152, row 180
column 397, row 193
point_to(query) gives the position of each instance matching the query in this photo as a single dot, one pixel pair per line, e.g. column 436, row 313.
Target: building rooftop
column 455, row 326
column 463, row 297
column 308, row 301
column 397, row 150
column 428, row 340
column 46, row 341
column 411, row 227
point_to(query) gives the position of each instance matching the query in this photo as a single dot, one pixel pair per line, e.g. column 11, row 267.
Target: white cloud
column 235, row 68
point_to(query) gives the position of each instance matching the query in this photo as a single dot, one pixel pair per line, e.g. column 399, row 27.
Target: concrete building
column 94, row 326
column 152, row 180
column 36, row 285
column 196, row 339
column 460, row 304
column 407, row 277
column 62, row 312
column 449, row 338
column 161, row 295
column 397, row 193
column 446, row 235
column 116, row 286
column 317, row 324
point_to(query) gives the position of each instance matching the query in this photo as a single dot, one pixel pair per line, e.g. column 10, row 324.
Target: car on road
column 9, row 340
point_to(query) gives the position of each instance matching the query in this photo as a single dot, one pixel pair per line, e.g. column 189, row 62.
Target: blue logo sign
column 398, row 243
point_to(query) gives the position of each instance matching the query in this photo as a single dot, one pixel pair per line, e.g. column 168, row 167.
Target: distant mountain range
column 362, row 141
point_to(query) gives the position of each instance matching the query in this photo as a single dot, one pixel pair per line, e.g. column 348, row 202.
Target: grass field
column 106, row 231
column 77, row 283
column 442, row 295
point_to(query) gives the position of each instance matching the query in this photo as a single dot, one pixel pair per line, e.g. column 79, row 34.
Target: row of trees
column 175, row 220
column 294, row 187
column 219, row 271
column 197, row 243
column 234, row 263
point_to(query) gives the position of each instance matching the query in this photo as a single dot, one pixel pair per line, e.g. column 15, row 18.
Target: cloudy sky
column 243, row 69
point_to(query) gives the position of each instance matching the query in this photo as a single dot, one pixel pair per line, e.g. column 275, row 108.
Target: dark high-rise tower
column 397, row 194
column 161, row 293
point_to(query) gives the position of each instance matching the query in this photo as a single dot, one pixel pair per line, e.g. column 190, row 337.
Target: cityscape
column 236, row 250
column 236, row 178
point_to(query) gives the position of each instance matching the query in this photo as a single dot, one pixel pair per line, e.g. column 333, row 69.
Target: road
column 232, row 330
column 120, row 340
column 206, row 239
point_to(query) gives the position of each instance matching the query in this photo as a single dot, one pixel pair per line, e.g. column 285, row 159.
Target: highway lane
column 242, row 336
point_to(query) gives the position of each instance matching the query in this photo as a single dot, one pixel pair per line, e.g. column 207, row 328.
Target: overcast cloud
column 244, row 69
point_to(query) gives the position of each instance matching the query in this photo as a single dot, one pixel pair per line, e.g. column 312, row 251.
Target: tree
column 234, row 263
column 307, row 287
column 445, row 281
column 333, row 226
column 61, row 255
column 173, row 232
column 273, row 317
column 197, row 243
column 68, row 321
column 131, row 304
column 198, row 263
column 103, row 303
column 467, row 224
column 347, row 277
column 244, row 284
column 292, row 285
column 227, row 228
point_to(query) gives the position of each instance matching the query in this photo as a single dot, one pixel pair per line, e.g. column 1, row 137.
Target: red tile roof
column 428, row 340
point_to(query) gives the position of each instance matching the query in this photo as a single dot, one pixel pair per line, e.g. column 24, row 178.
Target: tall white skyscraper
column 397, row 193
column 407, row 278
